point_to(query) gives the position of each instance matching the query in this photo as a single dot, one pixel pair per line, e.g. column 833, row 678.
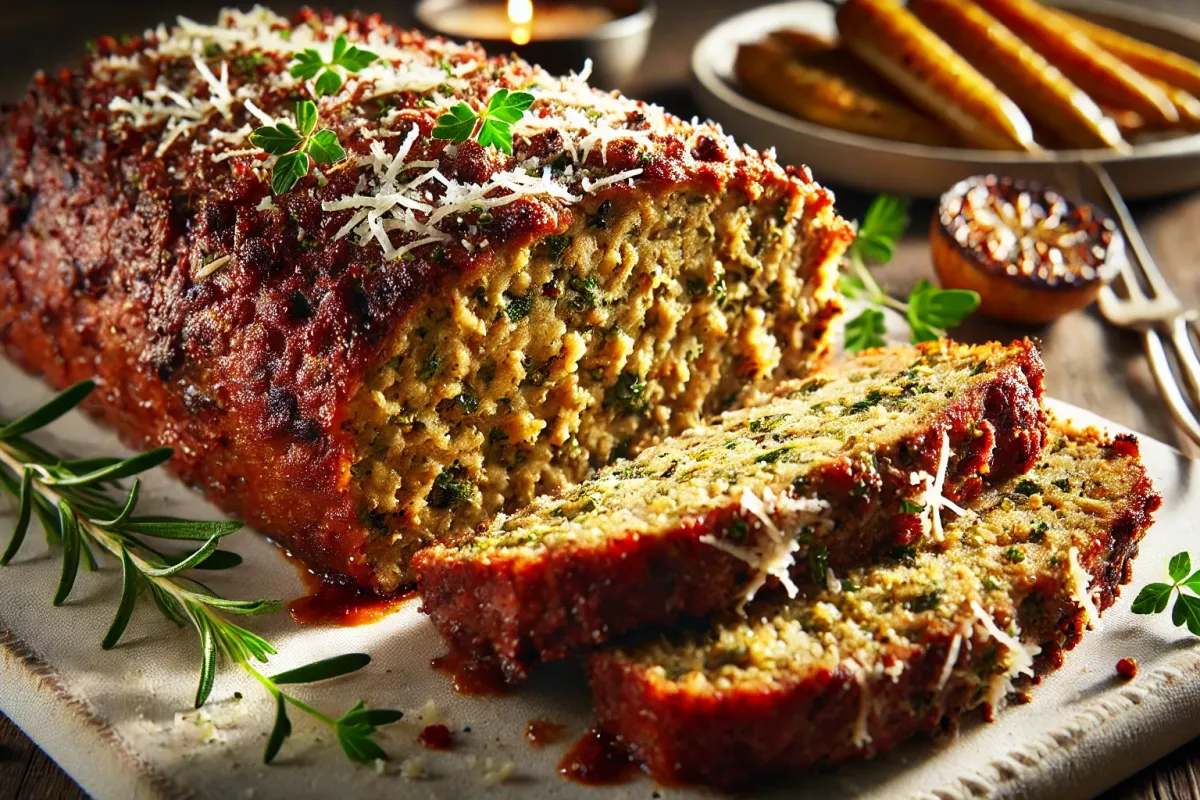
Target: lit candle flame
column 520, row 14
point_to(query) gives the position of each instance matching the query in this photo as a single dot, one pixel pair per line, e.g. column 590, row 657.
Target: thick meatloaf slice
column 823, row 474
column 421, row 334
column 895, row 649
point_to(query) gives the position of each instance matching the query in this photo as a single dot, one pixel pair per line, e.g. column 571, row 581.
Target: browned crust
column 745, row 736
column 513, row 610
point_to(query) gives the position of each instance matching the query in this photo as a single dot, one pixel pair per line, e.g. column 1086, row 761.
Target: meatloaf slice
column 823, row 474
column 894, row 649
column 420, row 334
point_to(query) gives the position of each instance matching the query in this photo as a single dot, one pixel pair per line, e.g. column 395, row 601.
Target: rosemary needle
column 75, row 502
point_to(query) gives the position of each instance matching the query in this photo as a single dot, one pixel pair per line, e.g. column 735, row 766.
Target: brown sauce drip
column 471, row 677
column 540, row 732
column 597, row 759
column 328, row 603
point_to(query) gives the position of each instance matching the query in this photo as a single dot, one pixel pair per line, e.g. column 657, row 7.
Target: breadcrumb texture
column 905, row 646
column 420, row 334
column 817, row 476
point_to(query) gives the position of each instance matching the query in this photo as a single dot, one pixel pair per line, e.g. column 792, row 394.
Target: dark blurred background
column 48, row 34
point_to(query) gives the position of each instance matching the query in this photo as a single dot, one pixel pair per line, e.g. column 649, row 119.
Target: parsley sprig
column 74, row 501
column 331, row 74
column 492, row 126
column 929, row 310
column 297, row 149
column 1154, row 597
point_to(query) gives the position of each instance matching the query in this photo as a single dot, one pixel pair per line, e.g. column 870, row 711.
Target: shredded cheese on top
column 211, row 267
column 860, row 736
column 951, row 660
column 203, row 95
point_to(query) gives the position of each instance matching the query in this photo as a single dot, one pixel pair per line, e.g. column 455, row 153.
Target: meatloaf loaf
column 826, row 473
column 893, row 649
column 420, row 334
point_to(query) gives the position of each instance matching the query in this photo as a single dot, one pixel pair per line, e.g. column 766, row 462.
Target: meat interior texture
column 812, row 477
column 895, row 648
column 421, row 334
column 566, row 354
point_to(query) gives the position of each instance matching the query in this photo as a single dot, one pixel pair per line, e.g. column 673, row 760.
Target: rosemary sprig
column 74, row 501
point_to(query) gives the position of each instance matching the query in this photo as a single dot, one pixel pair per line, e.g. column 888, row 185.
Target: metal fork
column 1157, row 314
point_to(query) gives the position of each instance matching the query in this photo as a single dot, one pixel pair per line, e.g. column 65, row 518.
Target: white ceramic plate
column 863, row 162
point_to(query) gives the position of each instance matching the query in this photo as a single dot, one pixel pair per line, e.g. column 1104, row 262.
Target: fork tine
column 1133, row 239
column 1168, row 386
column 1112, row 306
column 1133, row 288
column 1185, row 349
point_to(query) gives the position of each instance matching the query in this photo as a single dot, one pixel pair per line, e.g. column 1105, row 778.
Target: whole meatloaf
column 420, row 334
column 823, row 474
column 887, row 651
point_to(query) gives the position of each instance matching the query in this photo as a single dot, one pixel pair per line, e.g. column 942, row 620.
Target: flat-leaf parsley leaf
column 1155, row 597
column 932, row 310
column 491, row 127
column 296, row 150
column 929, row 310
column 865, row 331
column 329, row 74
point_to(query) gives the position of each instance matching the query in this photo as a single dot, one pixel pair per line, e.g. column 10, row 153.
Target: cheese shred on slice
column 777, row 554
column 932, row 497
column 1019, row 658
column 1081, row 583
column 951, row 660
column 861, row 735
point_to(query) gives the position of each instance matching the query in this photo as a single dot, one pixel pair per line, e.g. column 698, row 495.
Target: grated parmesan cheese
column 413, row 768
column 951, row 660
column 496, row 773
column 1019, row 657
column 832, row 583
column 860, row 736
column 630, row 174
column 778, row 553
column 1080, row 584
column 932, row 498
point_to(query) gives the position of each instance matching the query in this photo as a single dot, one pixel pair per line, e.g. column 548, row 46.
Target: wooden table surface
column 1088, row 363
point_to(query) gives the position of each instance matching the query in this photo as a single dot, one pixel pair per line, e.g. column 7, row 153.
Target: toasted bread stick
column 894, row 42
column 829, row 87
column 1151, row 61
column 1106, row 78
column 1033, row 83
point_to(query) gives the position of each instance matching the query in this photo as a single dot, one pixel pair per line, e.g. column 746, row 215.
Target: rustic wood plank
column 1175, row 777
column 44, row 780
column 16, row 751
